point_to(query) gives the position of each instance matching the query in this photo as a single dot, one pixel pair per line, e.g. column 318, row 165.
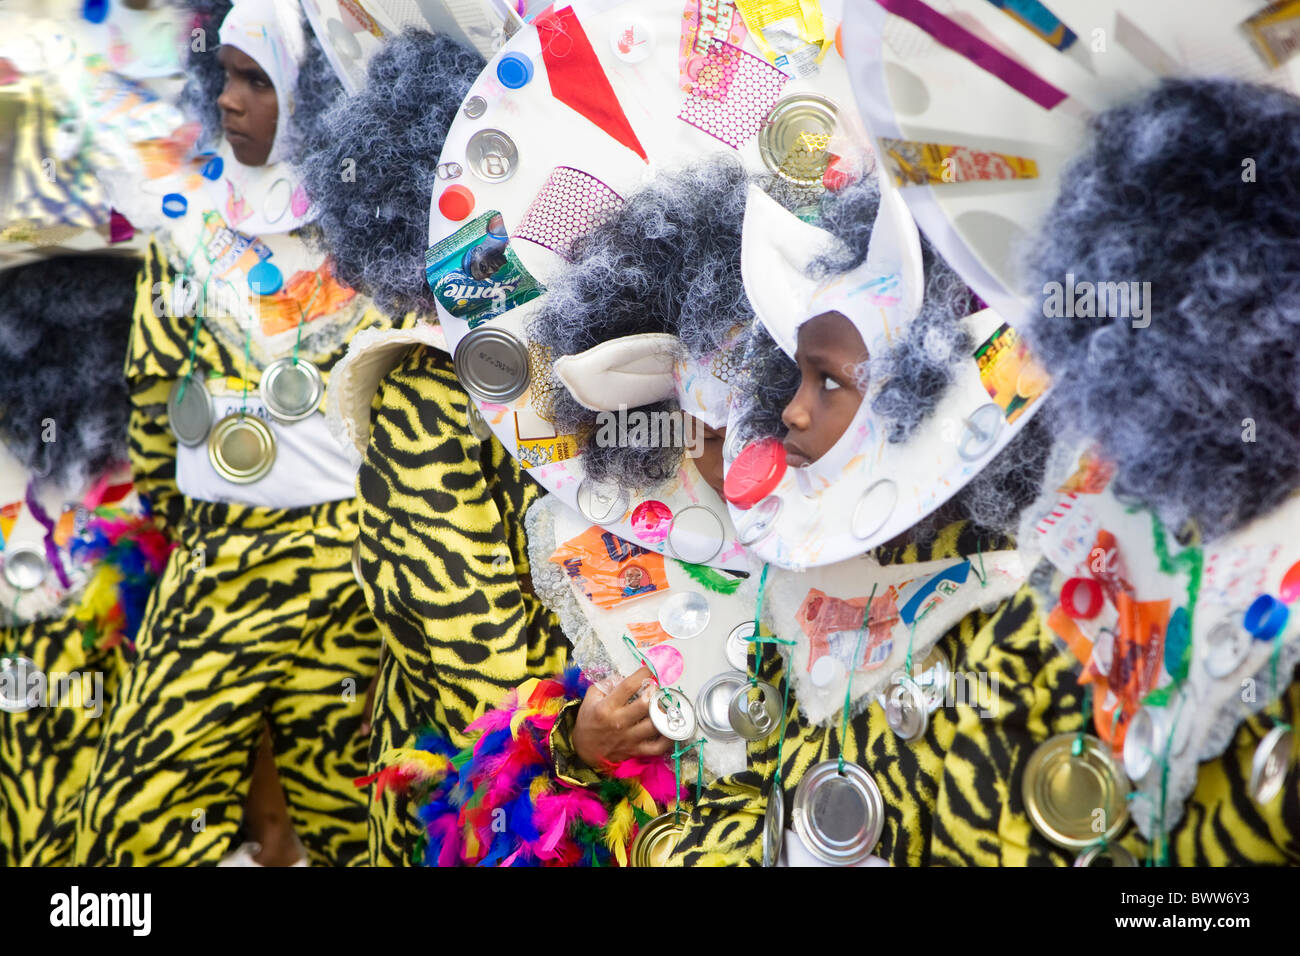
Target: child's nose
column 796, row 416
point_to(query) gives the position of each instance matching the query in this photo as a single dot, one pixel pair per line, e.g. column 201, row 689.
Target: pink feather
column 653, row 774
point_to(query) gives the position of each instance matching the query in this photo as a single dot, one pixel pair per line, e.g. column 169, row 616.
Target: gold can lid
column 795, row 135
column 241, row 448
column 656, row 840
column 1074, row 801
column 1112, row 854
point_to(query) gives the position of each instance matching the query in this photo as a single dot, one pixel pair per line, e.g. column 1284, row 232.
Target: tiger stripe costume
column 443, row 556
column 257, row 618
column 46, row 752
column 954, row 797
column 921, row 827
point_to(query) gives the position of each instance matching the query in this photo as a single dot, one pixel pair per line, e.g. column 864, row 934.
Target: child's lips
column 794, row 458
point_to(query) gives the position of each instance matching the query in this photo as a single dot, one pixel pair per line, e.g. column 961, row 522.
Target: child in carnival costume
column 1170, row 509
column 443, row 551
column 237, row 324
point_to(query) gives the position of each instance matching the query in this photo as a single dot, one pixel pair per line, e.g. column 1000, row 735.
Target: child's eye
column 829, row 384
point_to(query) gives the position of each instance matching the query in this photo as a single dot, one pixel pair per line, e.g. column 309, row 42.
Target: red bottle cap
column 1081, row 598
column 755, row 473
column 456, row 202
column 1290, row 590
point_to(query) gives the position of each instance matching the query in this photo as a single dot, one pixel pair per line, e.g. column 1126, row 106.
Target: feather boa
column 498, row 801
column 128, row 553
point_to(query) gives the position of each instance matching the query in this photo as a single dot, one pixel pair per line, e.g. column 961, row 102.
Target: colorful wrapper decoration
column 569, row 205
column 128, row 553
column 1275, row 31
column 499, row 801
column 912, row 163
column 732, row 94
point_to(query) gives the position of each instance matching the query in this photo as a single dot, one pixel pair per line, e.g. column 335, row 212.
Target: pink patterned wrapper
column 732, row 94
column 569, row 205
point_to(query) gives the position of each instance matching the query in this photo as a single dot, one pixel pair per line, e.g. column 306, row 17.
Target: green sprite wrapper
column 475, row 274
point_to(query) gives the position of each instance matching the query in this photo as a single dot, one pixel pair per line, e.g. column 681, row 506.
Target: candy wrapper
column 1275, row 31
column 703, row 22
column 912, row 163
column 609, row 570
column 475, row 274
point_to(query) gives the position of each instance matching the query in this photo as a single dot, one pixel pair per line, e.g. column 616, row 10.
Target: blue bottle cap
column 96, row 11
column 174, row 205
column 514, row 70
column 212, row 168
column 265, row 278
column 1266, row 617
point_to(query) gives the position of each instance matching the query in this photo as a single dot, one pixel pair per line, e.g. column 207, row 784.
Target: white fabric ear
column 776, row 248
column 892, row 274
column 631, row 371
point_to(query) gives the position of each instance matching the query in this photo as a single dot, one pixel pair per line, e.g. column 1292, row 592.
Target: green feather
column 707, row 577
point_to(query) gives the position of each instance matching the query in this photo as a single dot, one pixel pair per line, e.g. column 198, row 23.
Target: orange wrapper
column 609, row 570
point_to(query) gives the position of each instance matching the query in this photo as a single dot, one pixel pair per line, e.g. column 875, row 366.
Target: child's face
column 709, row 457
column 249, row 109
column 828, row 350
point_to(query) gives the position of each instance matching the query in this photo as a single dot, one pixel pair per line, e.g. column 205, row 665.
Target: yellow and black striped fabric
column 1221, row 825
column 256, row 620
column 443, row 555
column 946, row 798
column 955, row 797
column 46, row 752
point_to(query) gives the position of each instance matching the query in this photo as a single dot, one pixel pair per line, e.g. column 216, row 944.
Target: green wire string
column 248, row 360
column 758, row 613
column 780, row 743
column 1076, row 749
column 648, row 665
column 680, row 751
column 1194, row 560
column 198, row 321
column 13, row 621
column 302, row 317
column 979, row 550
column 848, row 691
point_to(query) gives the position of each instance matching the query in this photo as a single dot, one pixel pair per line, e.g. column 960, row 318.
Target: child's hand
column 616, row 726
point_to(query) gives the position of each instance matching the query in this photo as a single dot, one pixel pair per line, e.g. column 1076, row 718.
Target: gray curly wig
column 1194, row 187
column 668, row 261
column 318, row 84
column 64, row 324
column 374, row 222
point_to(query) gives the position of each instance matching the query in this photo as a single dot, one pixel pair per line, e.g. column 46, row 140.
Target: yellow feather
column 100, row 596
column 423, row 764
column 518, row 718
column 538, row 788
column 641, row 798
column 525, row 691
column 618, row 832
